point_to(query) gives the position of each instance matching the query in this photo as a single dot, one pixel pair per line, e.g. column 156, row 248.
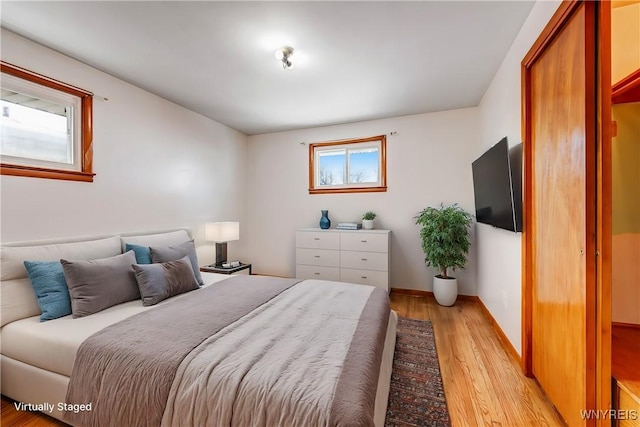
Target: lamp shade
column 222, row 231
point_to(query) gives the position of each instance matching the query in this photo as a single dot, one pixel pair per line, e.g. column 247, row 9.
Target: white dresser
column 354, row 256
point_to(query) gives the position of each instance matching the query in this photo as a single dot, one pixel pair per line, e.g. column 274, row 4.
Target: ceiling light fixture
column 284, row 54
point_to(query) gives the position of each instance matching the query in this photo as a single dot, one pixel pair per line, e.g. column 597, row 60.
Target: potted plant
column 367, row 220
column 445, row 242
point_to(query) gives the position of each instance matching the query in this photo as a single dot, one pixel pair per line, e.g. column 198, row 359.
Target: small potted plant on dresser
column 367, row 220
column 445, row 242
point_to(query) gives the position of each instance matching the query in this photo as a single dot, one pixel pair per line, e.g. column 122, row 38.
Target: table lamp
column 221, row 233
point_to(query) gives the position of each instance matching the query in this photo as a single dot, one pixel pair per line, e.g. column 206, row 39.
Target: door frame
column 598, row 283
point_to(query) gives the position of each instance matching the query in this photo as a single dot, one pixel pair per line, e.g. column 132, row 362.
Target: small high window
column 46, row 127
column 349, row 166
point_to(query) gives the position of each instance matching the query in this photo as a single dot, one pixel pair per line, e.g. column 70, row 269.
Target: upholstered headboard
column 17, row 297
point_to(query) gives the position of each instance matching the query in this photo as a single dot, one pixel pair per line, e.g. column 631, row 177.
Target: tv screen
column 493, row 188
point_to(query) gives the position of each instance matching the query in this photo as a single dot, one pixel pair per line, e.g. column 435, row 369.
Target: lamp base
column 221, row 253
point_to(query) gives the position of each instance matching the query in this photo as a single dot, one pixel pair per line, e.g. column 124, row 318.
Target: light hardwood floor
column 483, row 385
column 9, row 417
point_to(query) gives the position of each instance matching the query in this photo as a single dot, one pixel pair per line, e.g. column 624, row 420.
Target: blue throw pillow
column 142, row 253
column 47, row 279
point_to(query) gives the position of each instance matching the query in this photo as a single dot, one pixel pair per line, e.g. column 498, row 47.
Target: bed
column 295, row 352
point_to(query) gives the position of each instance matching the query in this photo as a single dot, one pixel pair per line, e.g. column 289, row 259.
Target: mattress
column 52, row 345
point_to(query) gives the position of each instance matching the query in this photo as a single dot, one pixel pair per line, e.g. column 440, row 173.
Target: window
column 349, row 166
column 46, row 127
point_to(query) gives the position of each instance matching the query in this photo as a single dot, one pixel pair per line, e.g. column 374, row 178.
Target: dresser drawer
column 364, row 260
column 317, row 272
column 317, row 240
column 363, row 241
column 325, row 257
column 365, row 277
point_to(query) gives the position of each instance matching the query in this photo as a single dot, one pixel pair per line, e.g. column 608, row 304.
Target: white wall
column 157, row 165
column 428, row 162
column 625, row 39
column 499, row 252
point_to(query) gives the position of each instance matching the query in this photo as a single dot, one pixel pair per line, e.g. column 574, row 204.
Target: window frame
column 381, row 187
column 86, row 131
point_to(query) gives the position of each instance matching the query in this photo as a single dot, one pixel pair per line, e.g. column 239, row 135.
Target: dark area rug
column 416, row 397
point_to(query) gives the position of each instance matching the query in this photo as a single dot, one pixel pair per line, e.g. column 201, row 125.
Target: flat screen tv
column 497, row 186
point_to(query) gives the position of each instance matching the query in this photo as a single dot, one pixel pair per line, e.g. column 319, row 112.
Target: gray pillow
column 161, row 281
column 101, row 283
column 172, row 253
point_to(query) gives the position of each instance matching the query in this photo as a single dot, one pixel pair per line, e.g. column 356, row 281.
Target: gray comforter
column 248, row 351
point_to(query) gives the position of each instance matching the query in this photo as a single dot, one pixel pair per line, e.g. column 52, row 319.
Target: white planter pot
column 445, row 290
column 367, row 224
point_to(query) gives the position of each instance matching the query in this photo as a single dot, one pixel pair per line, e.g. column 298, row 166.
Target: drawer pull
column 317, row 274
column 363, row 277
column 316, row 256
column 316, row 238
column 363, row 241
column 363, row 259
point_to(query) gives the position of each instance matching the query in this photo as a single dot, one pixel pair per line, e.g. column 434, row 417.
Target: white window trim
column 347, row 148
column 73, row 102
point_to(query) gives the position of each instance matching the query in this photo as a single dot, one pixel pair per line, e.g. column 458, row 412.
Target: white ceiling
column 353, row 60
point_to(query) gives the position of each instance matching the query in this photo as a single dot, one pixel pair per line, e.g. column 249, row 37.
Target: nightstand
column 223, row 270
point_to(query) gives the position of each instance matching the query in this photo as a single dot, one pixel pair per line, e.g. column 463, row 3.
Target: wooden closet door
column 560, row 116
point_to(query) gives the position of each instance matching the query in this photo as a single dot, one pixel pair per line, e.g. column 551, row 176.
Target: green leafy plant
column 445, row 237
column 369, row 215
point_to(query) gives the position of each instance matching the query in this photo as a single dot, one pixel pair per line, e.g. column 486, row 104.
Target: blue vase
column 325, row 222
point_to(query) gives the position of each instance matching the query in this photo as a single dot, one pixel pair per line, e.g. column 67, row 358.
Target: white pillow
column 12, row 257
column 17, row 298
column 160, row 239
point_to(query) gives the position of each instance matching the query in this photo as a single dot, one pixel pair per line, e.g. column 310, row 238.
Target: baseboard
column 625, row 325
column 498, row 330
column 421, row 293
